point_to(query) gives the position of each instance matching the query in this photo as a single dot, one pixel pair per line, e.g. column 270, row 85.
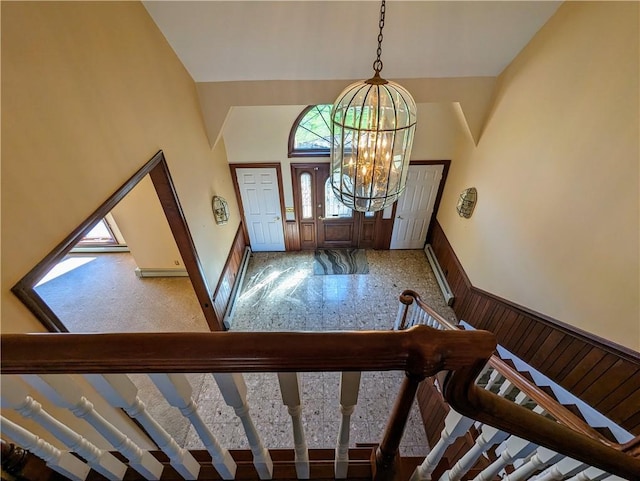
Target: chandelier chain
column 377, row 64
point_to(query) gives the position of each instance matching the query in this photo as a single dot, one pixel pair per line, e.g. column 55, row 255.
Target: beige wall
column 90, row 92
column 556, row 226
column 472, row 94
column 145, row 228
column 261, row 134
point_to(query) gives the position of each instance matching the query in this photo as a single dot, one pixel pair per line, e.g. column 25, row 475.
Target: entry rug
column 340, row 261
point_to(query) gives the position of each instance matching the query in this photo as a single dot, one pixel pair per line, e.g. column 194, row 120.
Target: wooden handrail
column 559, row 436
column 468, row 399
column 419, row 351
column 552, row 406
column 408, row 297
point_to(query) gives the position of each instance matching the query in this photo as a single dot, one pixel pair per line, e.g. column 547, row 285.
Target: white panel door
column 261, row 202
column 416, row 206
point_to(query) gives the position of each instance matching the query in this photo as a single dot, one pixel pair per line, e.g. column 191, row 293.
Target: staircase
column 464, row 449
column 49, row 378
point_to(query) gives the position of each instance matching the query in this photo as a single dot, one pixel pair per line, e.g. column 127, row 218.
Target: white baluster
column 521, row 398
column 15, row 395
column 290, row 390
column 402, row 308
column 178, row 392
column 62, row 462
column 505, row 388
column 560, row 470
column 413, row 315
column 493, row 379
column 120, row 392
column 540, row 460
column 63, row 391
column 515, row 448
column 484, row 371
column 455, row 425
column 234, row 391
column 422, row 317
column 349, row 388
column 590, row 474
column 488, row 437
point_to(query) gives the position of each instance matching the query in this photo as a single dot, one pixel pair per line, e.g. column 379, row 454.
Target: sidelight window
column 306, row 195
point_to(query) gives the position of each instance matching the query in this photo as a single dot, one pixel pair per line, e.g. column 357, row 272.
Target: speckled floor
column 280, row 292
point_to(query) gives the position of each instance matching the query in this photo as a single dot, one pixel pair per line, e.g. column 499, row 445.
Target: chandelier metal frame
column 372, row 128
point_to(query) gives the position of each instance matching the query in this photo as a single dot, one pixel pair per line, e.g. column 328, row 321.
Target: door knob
column 320, row 218
column 276, row 218
column 400, row 217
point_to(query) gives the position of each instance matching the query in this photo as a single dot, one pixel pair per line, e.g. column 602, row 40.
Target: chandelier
column 372, row 126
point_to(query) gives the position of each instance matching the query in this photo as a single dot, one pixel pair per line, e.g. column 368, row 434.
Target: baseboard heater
column 237, row 287
column 440, row 277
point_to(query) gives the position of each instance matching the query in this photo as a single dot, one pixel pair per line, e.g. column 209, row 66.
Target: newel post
column 385, row 466
column 403, row 310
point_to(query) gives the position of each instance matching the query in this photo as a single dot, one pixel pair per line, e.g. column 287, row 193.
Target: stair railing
column 507, row 382
column 105, row 359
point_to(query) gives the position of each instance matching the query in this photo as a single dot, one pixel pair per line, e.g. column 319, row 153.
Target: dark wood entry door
column 322, row 220
column 337, row 226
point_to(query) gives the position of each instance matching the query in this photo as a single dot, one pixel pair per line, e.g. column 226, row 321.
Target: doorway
column 157, row 172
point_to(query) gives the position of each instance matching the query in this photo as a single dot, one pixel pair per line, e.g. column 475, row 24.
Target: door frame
column 445, row 171
column 236, row 187
column 158, row 171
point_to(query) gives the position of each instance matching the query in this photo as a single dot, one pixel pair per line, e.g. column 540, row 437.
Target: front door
column 260, row 197
column 338, row 225
column 415, row 207
column 323, row 221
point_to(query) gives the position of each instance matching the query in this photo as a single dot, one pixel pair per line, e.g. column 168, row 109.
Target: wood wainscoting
column 222, row 294
column 291, row 236
column 603, row 374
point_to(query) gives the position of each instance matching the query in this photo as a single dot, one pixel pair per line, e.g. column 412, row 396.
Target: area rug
column 340, row 261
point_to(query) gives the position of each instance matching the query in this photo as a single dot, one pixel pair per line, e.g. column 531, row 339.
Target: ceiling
column 322, row 40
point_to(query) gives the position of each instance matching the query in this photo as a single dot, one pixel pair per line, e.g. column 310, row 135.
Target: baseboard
column 145, row 272
column 237, row 287
column 99, row 249
column 447, row 293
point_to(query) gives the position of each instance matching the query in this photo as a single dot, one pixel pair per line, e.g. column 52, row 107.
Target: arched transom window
column 311, row 132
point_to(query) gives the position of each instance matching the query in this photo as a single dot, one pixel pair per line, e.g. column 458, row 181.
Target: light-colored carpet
column 103, row 294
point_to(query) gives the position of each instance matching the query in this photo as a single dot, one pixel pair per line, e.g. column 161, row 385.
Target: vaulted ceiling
column 321, row 40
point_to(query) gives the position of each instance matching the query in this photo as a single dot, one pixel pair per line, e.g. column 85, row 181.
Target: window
column 333, row 207
column 305, row 194
column 101, row 234
column 310, row 135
